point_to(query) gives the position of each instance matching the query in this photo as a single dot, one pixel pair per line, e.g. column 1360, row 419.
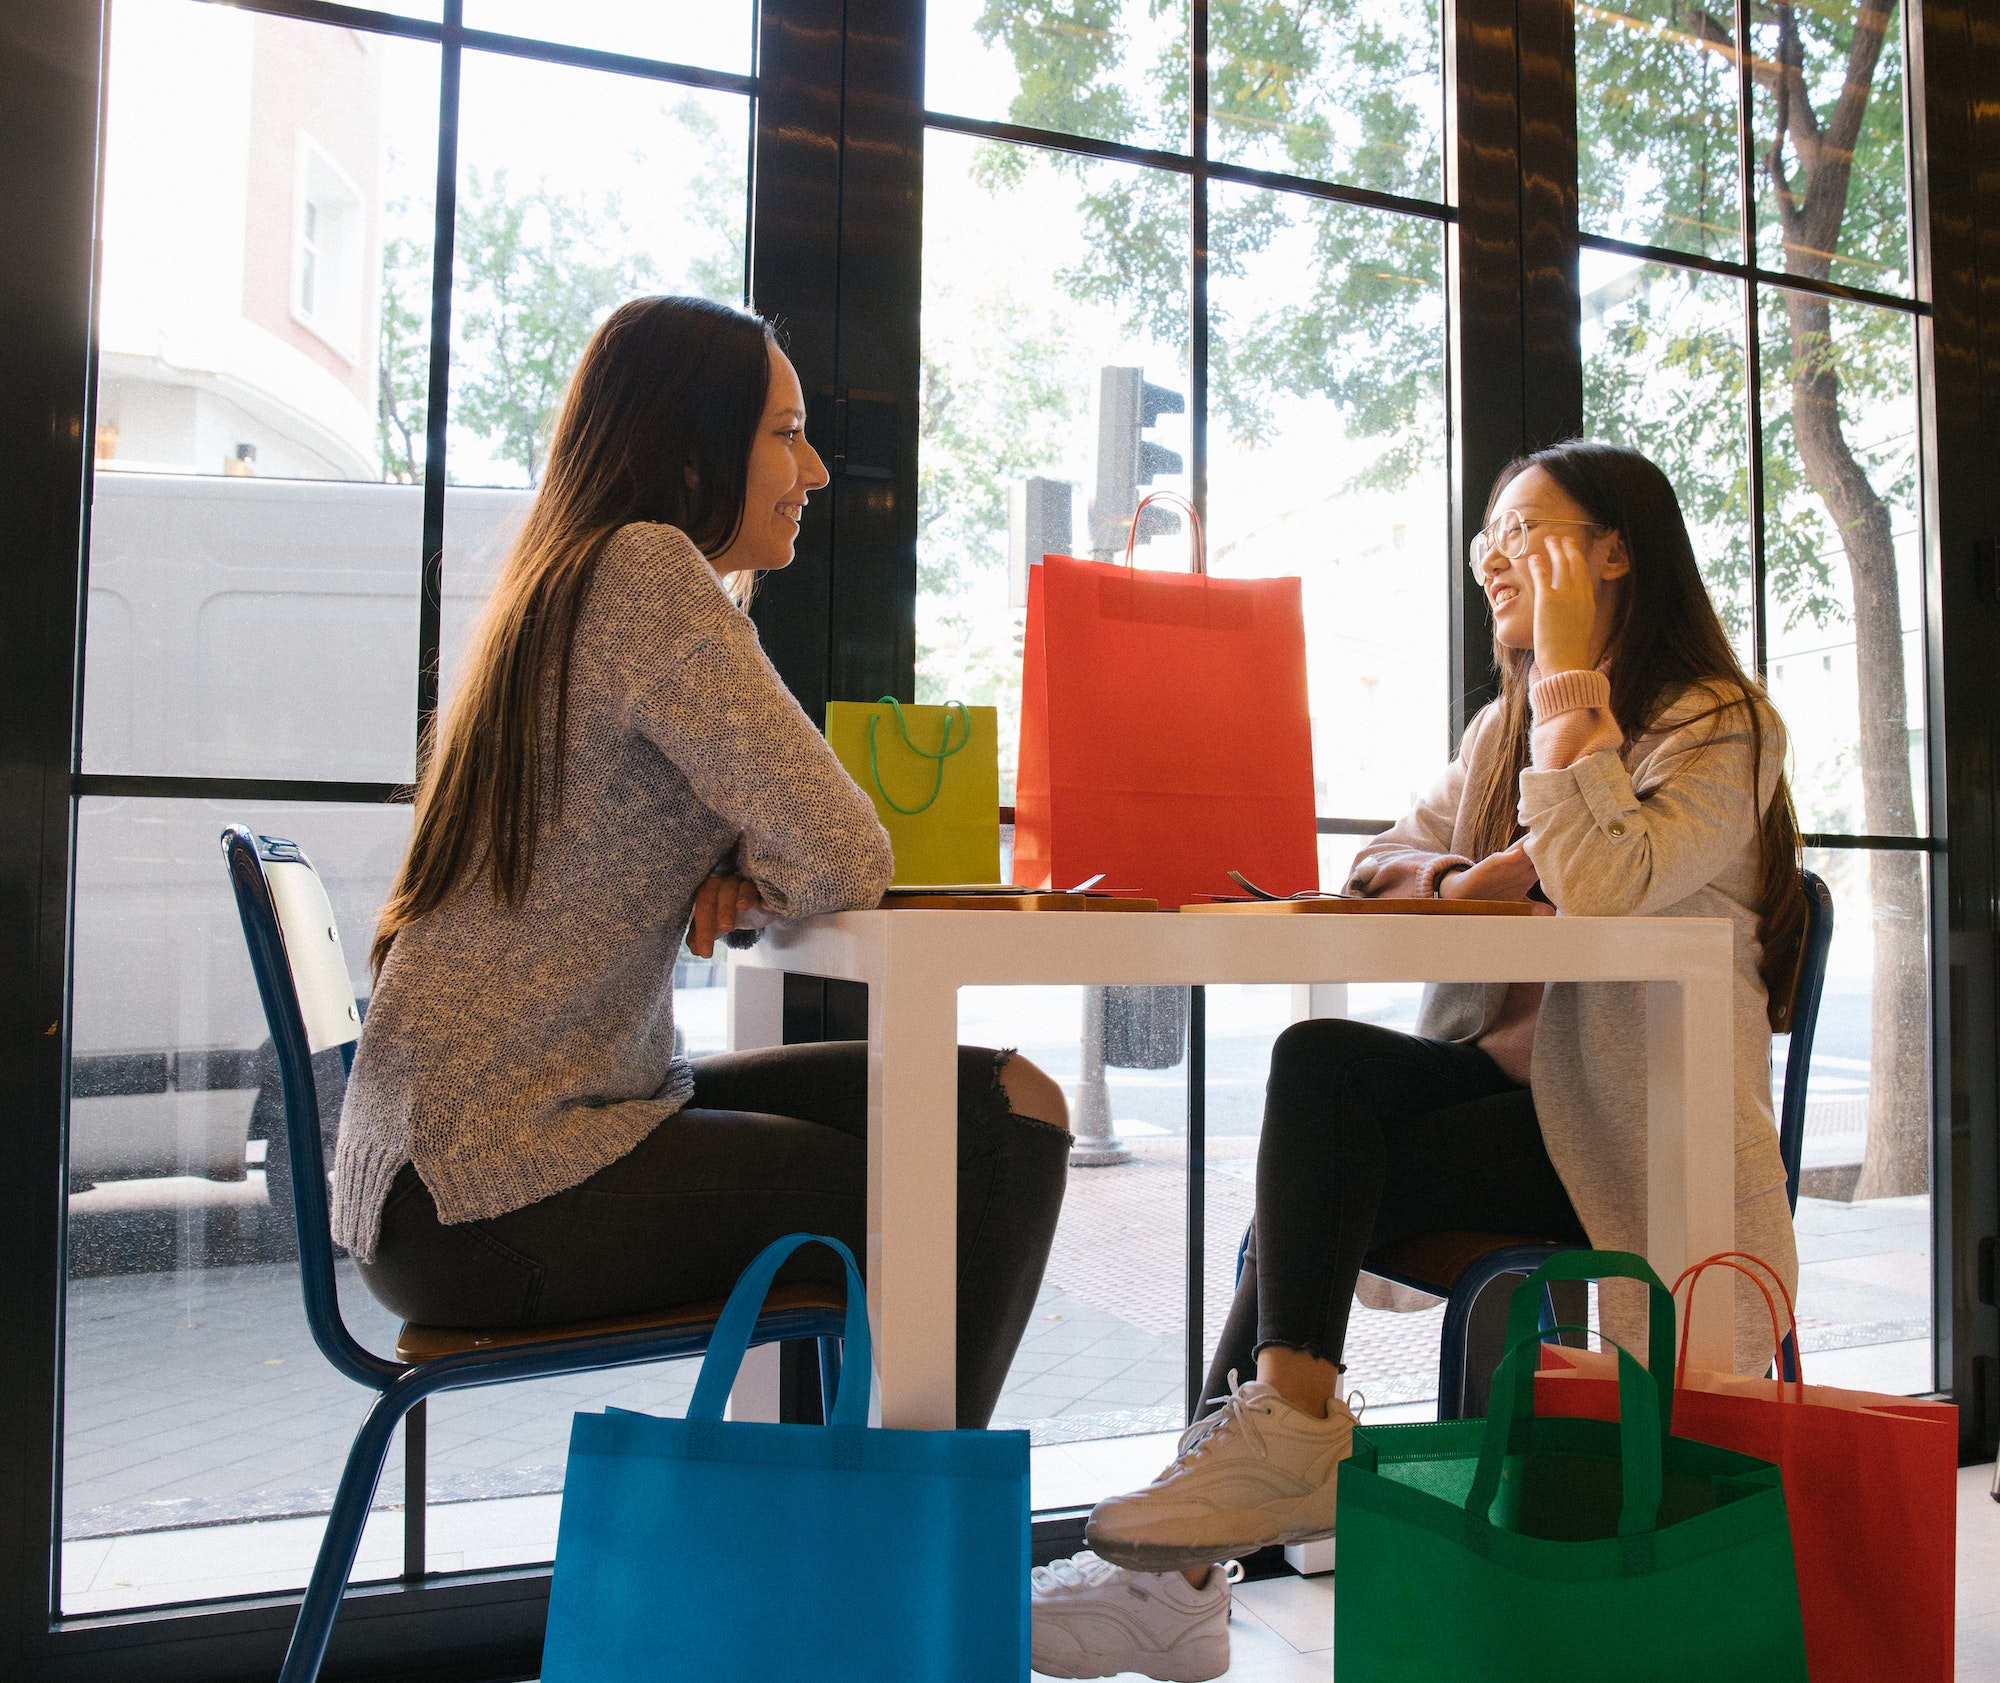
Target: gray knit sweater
column 511, row 1053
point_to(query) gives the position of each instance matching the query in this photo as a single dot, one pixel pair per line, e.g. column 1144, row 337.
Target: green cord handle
column 944, row 752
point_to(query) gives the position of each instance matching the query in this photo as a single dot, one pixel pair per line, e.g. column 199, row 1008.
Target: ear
column 1617, row 563
column 690, row 478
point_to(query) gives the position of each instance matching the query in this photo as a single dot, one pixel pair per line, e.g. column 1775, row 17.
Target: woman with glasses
column 1629, row 767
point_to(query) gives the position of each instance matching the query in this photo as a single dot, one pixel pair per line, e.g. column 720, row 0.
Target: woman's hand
column 1499, row 876
column 1565, row 605
column 723, row 904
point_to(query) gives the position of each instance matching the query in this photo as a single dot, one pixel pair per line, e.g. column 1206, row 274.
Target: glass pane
column 1864, row 1221
column 1015, row 359
column 1327, row 461
column 1663, row 373
column 1829, row 104
column 1107, row 69
column 1656, row 125
column 267, row 259
column 717, row 37
column 1099, row 1379
column 1843, row 552
column 1349, row 91
column 577, row 190
column 194, row 1401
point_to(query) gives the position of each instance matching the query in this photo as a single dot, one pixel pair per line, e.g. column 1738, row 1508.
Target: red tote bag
column 1164, row 735
column 1871, row 1488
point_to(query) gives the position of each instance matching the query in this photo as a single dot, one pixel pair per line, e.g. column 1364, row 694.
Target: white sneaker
column 1256, row 1471
column 1093, row 1619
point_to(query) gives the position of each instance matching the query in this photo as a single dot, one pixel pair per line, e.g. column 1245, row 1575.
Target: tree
column 1340, row 88
column 534, row 273
column 1827, row 122
column 536, row 278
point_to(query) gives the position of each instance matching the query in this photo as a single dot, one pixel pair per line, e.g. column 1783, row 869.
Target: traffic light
column 1127, row 459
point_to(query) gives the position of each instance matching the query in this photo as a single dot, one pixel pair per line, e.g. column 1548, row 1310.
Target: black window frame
column 835, row 257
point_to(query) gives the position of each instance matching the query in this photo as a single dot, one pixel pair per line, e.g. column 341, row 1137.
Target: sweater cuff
column 1572, row 718
column 1434, row 873
column 1565, row 692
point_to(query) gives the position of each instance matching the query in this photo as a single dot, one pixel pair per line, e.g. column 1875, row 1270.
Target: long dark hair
column 1665, row 641
column 657, row 425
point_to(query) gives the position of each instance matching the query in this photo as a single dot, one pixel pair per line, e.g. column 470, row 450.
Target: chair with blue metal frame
column 1460, row 1266
column 308, row 999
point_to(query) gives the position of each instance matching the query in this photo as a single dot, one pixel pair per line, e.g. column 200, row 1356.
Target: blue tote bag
column 717, row 1549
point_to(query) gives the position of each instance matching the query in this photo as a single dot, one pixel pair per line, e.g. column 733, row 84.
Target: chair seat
column 1434, row 1262
column 417, row 1343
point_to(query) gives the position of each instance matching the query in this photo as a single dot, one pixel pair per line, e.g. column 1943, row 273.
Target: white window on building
column 327, row 235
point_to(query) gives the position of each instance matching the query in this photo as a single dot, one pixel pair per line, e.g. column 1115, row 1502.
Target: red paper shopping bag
column 1164, row 734
column 1871, row 1488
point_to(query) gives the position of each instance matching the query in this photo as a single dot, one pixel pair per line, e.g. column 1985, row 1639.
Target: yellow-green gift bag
column 934, row 776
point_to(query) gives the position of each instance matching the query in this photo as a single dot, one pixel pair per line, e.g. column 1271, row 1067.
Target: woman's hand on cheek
column 723, row 904
column 1565, row 606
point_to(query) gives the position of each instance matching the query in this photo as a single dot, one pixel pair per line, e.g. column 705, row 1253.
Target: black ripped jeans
column 772, row 1142
column 1371, row 1137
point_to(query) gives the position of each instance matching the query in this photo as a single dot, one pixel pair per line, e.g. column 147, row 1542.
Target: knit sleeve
column 808, row 838
column 1407, row 860
column 1613, row 842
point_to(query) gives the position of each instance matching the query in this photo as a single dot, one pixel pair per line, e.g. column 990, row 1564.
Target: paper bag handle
column 1194, row 527
column 1736, row 1260
column 733, row 1327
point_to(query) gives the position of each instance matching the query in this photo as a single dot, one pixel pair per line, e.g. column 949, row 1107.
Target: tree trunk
column 1897, row 1159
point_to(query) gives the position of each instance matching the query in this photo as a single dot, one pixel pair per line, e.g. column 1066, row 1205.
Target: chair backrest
column 1805, row 1024
column 309, row 1006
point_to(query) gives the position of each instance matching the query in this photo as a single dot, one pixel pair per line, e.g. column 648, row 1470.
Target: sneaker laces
column 1079, row 1572
column 1237, row 1413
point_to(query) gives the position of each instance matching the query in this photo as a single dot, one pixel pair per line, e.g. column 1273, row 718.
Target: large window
column 298, row 452
column 346, row 259
column 1749, row 320
column 1224, row 276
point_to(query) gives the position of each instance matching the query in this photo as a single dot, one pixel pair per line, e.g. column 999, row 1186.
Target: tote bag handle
column 1175, row 499
column 731, row 1338
column 1524, row 1312
column 1737, row 1260
column 1641, row 1433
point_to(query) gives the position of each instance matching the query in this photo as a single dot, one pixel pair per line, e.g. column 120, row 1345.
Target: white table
column 914, row 963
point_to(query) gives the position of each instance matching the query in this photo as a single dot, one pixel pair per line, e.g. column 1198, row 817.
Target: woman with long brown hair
column 1629, row 767
column 621, row 766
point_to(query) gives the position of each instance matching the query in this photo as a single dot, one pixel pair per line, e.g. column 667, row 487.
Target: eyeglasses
column 1509, row 535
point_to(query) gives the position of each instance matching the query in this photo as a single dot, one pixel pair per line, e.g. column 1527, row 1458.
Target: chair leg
column 342, row 1541
column 416, row 1435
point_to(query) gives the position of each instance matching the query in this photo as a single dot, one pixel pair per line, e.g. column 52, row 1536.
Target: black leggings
column 1371, row 1137
column 772, row 1142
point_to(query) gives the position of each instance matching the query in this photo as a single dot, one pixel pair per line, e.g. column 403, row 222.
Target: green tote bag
column 1522, row 1550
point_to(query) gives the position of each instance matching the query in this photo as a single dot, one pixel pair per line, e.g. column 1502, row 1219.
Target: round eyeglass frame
column 1512, row 538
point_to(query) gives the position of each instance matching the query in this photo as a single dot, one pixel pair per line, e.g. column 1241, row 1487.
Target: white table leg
column 1691, row 1149
column 756, row 1018
column 913, row 1194
column 756, row 1007
column 1318, row 999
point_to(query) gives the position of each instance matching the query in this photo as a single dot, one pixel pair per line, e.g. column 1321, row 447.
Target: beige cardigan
column 1667, row 827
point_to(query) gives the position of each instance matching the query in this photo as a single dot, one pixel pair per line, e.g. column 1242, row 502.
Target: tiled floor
column 1281, row 1630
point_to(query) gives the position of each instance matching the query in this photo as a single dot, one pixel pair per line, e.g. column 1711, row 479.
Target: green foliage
column 1347, row 90
column 535, row 278
column 535, row 273
column 403, row 351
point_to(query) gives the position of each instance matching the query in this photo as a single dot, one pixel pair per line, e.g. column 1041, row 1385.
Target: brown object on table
column 1051, row 902
column 1380, row 908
